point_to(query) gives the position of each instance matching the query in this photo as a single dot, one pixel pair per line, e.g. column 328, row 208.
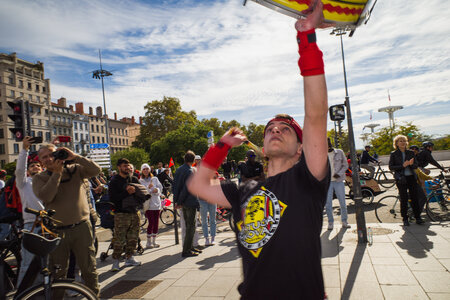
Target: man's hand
column 130, row 189
column 26, row 143
column 71, row 156
column 234, row 137
column 314, row 18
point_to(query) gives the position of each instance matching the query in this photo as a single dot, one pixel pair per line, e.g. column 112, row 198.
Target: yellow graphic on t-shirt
column 260, row 218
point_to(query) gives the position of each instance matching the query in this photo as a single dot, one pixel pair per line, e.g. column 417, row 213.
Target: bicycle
column 387, row 210
column 167, row 215
column 10, row 256
column 41, row 246
column 385, row 178
column 438, row 199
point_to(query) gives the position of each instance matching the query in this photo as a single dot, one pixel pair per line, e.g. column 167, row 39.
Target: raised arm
column 202, row 183
column 315, row 145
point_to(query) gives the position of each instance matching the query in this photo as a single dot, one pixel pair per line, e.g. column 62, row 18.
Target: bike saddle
column 38, row 244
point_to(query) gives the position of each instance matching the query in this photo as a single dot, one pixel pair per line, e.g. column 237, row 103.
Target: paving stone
column 439, row 296
column 383, row 250
column 194, row 278
column 363, row 272
column 177, row 292
column 428, row 263
column 216, row 286
column 396, row 275
column 366, row 291
column 331, row 276
column 433, row 282
column 395, row 292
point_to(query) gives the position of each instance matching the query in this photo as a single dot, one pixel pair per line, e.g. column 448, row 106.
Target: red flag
column 171, row 162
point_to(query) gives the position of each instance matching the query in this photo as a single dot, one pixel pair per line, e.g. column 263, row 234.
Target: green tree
column 176, row 142
column 442, row 143
column 382, row 140
column 136, row 156
column 215, row 126
column 255, row 134
column 343, row 139
column 160, row 118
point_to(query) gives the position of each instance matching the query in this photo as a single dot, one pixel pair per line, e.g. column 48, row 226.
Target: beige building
column 97, row 126
column 20, row 79
column 134, row 129
column 118, row 135
column 61, row 121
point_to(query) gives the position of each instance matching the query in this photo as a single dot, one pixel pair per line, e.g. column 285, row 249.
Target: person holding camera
column 61, row 187
column 126, row 219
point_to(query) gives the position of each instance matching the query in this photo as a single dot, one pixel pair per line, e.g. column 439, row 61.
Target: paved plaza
column 399, row 264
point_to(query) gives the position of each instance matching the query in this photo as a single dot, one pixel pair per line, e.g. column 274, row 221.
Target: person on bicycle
column 279, row 219
column 366, row 159
column 402, row 162
column 339, row 165
column 425, row 157
column 152, row 207
column 27, row 167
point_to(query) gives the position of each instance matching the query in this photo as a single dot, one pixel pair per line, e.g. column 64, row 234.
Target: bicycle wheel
column 59, row 287
column 386, row 179
column 11, row 259
column 438, row 204
column 166, row 216
column 367, row 196
column 387, row 210
column 231, row 222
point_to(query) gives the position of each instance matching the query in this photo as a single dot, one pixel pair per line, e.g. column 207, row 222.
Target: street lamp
column 99, row 74
column 360, row 218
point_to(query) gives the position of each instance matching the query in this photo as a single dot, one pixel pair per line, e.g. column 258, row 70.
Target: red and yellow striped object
column 341, row 12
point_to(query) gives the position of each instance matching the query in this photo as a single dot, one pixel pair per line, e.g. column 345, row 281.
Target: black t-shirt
column 279, row 221
column 250, row 170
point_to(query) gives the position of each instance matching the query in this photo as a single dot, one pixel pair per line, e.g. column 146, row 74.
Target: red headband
column 292, row 123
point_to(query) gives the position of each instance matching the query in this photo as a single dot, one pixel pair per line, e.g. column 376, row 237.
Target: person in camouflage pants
column 126, row 233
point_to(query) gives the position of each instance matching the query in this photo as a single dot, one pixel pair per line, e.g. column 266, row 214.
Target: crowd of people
column 286, row 195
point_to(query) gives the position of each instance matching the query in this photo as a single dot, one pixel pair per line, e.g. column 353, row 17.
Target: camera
column 60, row 154
column 36, row 140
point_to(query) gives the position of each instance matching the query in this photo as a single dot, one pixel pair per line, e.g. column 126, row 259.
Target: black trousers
column 189, row 219
column 411, row 186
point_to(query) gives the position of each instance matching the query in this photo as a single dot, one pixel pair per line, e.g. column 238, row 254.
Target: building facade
column 22, row 80
column 61, row 122
column 118, row 135
column 97, row 126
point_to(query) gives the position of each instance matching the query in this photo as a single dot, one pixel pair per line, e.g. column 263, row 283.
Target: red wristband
column 215, row 155
column 311, row 61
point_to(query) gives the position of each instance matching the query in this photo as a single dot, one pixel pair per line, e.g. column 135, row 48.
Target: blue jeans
column 339, row 190
column 206, row 208
column 27, row 257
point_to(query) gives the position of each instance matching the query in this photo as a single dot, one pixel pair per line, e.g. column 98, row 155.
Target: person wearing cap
column 279, row 219
column 251, row 169
column 152, row 206
column 366, row 159
column 425, row 157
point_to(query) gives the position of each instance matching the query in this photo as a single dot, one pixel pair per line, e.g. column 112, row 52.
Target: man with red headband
column 279, row 219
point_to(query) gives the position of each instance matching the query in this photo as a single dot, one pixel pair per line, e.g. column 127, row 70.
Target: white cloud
column 218, row 57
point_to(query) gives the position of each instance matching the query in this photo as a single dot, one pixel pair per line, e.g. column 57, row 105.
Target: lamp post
column 99, row 74
column 360, row 218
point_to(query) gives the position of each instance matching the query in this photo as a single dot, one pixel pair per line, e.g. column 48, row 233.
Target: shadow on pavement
column 353, row 271
column 332, row 247
column 209, row 262
column 415, row 240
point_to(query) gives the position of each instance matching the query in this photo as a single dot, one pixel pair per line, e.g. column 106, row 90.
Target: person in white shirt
column 24, row 172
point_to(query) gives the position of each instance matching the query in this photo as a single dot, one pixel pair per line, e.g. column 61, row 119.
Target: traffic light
column 18, row 117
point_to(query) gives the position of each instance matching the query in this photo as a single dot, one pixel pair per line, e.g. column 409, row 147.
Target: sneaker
column 330, row 226
column 345, row 225
column 189, row 254
column 155, row 245
column 419, row 221
column 405, row 223
column 207, row 242
column 212, row 241
column 132, row 262
column 195, row 249
column 115, row 266
column 198, row 247
column 149, row 245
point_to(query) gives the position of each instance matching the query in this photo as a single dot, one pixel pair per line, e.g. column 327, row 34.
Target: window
column 11, row 80
column 64, row 119
column 33, row 133
column 120, row 142
column 76, row 136
column 75, row 125
column 115, row 141
column 46, row 112
column 46, row 123
column 16, row 148
column 38, row 99
column 38, row 110
column 2, row 135
column 2, row 150
column 115, row 130
column 39, row 121
column 59, row 131
column 31, row 109
column 98, row 139
column 47, row 136
column 30, row 97
column 112, row 141
column 12, row 93
column 103, row 139
column 32, row 121
column 81, row 136
column 37, row 87
column 93, row 140
column 65, row 131
column 86, row 126
column 102, row 129
column 59, row 118
column 127, row 142
column 40, row 133
column 96, row 127
column 43, row 89
column 20, row 83
column 77, row 148
column 54, row 131
column 29, row 85
column 21, row 94
column 92, row 127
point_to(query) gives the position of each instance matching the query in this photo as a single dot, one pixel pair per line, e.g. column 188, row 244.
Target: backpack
column 12, row 196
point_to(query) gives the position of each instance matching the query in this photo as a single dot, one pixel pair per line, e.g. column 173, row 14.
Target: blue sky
column 227, row 61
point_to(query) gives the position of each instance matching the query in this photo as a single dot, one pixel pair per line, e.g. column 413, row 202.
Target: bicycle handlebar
column 46, row 213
